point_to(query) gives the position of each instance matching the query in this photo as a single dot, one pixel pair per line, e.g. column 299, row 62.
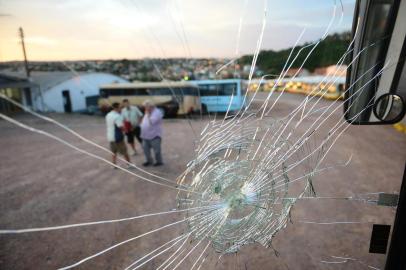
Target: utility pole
column 27, row 70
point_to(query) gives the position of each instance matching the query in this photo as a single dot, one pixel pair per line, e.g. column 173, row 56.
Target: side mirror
column 376, row 79
column 389, row 108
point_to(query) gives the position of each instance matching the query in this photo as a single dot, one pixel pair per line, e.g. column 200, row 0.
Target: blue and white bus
column 215, row 95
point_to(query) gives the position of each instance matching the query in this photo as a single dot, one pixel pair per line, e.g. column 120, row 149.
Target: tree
column 327, row 53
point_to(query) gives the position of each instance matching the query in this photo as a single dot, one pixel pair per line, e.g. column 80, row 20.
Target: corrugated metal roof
column 8, row 81
column 47, row 80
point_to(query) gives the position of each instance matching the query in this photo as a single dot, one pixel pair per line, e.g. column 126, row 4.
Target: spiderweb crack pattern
column 242, row 166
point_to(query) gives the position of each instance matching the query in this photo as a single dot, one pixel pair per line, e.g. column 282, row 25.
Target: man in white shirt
column 132, row 118
column 115, row 136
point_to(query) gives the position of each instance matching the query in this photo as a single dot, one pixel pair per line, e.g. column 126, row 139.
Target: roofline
column 19, row 82
column 77, row 75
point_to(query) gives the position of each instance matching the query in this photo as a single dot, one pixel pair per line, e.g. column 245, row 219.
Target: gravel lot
column 45, row 183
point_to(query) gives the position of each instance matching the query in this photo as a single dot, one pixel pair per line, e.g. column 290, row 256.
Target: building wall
column 14, row 94
column 79, row 88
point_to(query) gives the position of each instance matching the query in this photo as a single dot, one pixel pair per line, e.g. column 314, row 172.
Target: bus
column 174, row 98
column 215, row 95
column 327, row 87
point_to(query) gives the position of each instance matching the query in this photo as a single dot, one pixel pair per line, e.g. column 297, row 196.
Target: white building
column 67, row 91
column 54, row 91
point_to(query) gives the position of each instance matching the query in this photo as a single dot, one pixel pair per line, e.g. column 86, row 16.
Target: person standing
column 115, row 136
column 132, row 118
column 151, row 133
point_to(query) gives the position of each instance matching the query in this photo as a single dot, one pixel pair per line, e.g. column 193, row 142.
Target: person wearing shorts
column 115, row 136
column 132, row 117
column 118, row 147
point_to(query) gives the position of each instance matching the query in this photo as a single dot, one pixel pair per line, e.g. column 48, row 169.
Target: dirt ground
column 45, row 183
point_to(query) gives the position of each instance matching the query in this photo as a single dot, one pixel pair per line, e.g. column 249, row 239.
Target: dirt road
column 45, row 183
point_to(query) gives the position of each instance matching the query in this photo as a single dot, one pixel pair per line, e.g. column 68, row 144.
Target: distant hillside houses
column 297, row 72
column 310, row 56
column 53, row 91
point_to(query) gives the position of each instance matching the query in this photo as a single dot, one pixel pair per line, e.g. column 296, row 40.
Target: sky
column 116, row 29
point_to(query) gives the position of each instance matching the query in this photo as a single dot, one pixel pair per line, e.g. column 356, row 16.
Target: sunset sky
column 115, row 29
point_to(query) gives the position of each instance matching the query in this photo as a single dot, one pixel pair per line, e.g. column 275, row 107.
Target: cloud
column 155, row 28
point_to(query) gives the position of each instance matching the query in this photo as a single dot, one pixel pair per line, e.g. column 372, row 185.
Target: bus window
column 159, row 92
column 224, row 89
column 173, row 91
column 139, row 92
column 228, row 90
column 189, row 91
column 210, row 89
